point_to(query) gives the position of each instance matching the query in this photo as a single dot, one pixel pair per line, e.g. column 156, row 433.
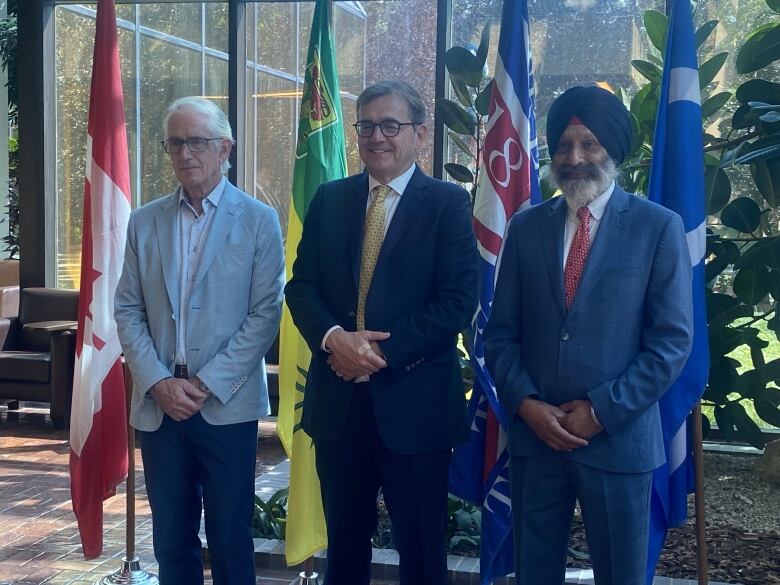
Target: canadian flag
column 98, row 426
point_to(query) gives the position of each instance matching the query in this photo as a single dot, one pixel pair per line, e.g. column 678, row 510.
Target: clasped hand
column 562, row 428
column 355, row 353
column 179, row 398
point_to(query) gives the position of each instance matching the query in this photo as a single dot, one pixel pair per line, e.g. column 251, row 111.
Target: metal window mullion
column 137, row 89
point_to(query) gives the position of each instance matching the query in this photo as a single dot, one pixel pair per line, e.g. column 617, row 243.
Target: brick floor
column 39, row 541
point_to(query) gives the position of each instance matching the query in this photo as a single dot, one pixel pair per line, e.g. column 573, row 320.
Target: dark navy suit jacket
column 423, row 292
column 620, row 345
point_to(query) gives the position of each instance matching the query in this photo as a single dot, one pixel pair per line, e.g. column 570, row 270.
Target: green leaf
column 482, row 103
column 656, row 25
column 744, row 117
column 639, row 98
column 772, row 371
column 742, row 214
column 705, row 426
column 455, row 117
column 484, row 44
column 715, row 103
column 704, row 31
column 751, row 284
column 764, row 158
column 717, row 189
column 464, row 64
column 725, row 340
column 747, row 429
column 718, row 303
column 725, row 255
column 771, row 395
column 761, row 48
column 758, row 90
column 460, row 142
column 751, row 383
column 461, row 91
column 459, row 172
column 729, row 316
column 767, row 411
column 710, row 68
column 725, row 423
column 651, row 72
column 765, row 252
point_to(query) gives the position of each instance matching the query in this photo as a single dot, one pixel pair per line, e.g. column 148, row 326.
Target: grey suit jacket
column 234, row 312
column 621, row 344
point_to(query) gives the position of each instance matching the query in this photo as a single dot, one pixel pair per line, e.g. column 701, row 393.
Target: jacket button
column 351, row 314
column 565, row 336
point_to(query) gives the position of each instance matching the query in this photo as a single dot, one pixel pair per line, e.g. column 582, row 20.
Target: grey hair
column 215, row 118
column 400, row 88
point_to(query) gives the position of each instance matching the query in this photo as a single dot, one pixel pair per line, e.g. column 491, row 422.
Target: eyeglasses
column 389, row 128
column 195, row 144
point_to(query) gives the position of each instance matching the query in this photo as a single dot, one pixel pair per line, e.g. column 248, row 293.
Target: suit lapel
column 553, row 227
column 356, row 201
column 611, row 230
column 226, row 215
column 407, row 207
column 165, row 224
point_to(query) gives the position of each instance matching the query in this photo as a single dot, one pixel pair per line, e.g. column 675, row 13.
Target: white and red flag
column 98, row 426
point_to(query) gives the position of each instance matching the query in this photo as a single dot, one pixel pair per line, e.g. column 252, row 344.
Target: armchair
column 38, row 351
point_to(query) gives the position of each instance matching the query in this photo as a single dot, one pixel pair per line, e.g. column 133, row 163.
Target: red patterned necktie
column 578, row 253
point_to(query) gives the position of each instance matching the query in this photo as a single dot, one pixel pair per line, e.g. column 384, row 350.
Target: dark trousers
column 192, row 462
column 615, row 510
column 352, row 468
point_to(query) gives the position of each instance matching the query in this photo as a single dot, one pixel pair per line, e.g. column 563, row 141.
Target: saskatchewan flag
column 319, row 157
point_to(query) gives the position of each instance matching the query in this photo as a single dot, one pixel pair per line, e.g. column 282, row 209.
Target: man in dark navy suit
column 385, row 279
column 591, row 323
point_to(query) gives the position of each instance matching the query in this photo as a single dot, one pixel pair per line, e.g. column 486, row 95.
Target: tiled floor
column 39, row 540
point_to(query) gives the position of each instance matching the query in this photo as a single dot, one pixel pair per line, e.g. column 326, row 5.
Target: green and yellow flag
column 319, row 157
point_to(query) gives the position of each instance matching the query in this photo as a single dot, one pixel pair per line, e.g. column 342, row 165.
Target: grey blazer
column 234, row 313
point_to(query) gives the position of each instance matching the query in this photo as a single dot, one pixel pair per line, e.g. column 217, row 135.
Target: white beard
column 579, row 192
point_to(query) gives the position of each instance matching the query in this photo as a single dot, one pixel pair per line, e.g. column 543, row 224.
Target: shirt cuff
column 325, row 337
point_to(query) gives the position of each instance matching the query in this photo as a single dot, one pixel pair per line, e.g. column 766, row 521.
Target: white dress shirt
column 397, row 188
column 597, row 208
column 192, row 232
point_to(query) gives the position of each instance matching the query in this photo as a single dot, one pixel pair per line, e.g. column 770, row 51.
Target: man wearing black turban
column 588, row 329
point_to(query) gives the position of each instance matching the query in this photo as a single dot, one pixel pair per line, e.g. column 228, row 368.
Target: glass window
column 276, row 118
column 216, row 26
column 348, row 32
column 169, row 67
column 276, row 38
column 401, row 44
column 181, row 20
column 168, row 72
column 75, row 30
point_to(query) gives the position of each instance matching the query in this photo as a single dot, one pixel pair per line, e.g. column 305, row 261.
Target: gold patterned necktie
column 373, row 236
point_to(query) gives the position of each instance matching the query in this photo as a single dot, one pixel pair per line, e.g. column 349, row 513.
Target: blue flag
column 509, row 181
column 677, row 182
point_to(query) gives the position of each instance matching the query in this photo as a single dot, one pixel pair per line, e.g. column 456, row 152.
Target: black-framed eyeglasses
column 194, row 143
column 389, row 128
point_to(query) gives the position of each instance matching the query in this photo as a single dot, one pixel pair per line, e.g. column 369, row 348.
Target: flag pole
column 308, row 576
column 701, row 537
column 130, row 573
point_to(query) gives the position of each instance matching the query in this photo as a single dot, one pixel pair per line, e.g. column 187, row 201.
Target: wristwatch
column 202, row 387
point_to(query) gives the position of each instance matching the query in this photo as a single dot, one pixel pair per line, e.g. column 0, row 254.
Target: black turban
column 600, row 111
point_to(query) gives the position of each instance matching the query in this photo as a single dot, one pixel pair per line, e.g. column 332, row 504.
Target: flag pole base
column 130, row 574
column 307, row 579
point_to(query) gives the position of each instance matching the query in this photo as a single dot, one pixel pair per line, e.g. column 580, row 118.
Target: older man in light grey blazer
column 197, row 307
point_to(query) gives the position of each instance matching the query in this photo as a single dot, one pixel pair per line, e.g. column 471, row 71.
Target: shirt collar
column 398, row 184
column 598, row 206
column 213, row 197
